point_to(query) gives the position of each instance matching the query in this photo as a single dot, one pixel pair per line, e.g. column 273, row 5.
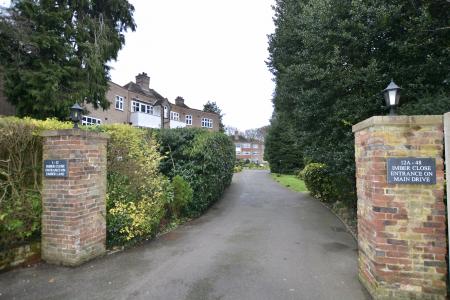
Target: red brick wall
column 73, row 216
column 401, row 228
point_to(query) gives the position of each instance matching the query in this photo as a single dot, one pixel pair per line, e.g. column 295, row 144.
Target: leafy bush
column 237, row 168
column 319, row 182
column 137, row 193
column 182, row 195
column 20, row 178
column 204, row 159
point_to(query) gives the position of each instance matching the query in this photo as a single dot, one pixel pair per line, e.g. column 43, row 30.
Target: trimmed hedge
column 137, row 194
column 204, row 159
column 20, row 178
column 325, row 186
column 319, row 182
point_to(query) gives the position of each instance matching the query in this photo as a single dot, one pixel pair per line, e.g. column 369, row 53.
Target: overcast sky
column 203, row 50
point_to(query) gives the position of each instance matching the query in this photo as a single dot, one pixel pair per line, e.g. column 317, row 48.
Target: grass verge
column 292, row 182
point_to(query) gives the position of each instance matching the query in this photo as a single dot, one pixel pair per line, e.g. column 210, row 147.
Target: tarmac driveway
column 261, row 241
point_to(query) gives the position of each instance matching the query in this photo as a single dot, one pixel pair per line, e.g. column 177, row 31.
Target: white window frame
column 174, row 116
column 89, row 121
column 207, row 123
column 119, row 103
column 255, row 146
column 188, row 119
column 166, row 111
column 137, row 106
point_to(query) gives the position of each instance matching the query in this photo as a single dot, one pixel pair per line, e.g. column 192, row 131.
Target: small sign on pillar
column 55, row 168
column 411, row 170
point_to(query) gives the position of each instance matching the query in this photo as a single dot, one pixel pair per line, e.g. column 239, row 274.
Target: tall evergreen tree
column 332, row 58
column 55, row 53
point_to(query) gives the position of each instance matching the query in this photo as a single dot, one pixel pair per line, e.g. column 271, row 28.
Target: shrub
column 137, row 193
column 237, row 168
column 182, row 195
column 319, row 182
column 20, row 178
column 204, row 159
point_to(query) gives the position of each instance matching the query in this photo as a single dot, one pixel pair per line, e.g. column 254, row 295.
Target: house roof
column 181, row 105
column 133, row 87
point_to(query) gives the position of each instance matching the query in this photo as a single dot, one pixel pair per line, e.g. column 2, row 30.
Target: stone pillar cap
column 75, row 132
column 398, row 121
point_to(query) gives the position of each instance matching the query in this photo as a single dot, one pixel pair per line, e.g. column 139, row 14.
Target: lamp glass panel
column 392, row 97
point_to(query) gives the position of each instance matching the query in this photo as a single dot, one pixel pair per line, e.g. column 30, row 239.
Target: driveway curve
column 261, row 241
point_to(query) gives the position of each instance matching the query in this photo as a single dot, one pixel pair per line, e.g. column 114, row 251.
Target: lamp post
column 75, row 114
column 392, row 96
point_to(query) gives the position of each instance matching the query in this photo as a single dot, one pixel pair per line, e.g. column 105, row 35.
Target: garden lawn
column 290, row 181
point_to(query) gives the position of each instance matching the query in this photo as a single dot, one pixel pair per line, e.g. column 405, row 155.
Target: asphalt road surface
column 261, row 241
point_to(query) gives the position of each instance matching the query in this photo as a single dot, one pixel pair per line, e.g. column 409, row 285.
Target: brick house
column 137, row 104
column 250, row 149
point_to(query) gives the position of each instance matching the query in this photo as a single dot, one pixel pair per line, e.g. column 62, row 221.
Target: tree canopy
column 332, row 58
column 55, row 53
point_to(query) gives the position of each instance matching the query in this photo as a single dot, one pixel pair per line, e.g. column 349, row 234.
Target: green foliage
column 20, row 178
column 319, row 183
column 282, row 150
column 182, row 195
column 204, row 159
column 332, row 58
column 137, row 193
column 55, row 53
column 247, row 164
column 237, row 168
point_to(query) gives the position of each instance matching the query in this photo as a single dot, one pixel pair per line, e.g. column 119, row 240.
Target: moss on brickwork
column 22, row 255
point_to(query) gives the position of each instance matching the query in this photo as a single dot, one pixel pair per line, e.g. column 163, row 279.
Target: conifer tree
column 55, row 53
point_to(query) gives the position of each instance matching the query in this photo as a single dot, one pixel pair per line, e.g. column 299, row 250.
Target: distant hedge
column 204, row 159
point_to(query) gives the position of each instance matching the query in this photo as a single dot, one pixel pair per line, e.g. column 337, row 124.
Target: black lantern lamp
column 75, row 114
column 392, row 97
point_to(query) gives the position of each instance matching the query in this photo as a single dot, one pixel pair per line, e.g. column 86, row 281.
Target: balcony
column 177, row 124
column 141, row 119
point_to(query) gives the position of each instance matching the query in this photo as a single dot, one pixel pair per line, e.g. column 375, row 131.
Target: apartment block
column 248, row 149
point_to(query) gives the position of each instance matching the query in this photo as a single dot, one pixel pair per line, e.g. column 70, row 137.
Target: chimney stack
column 236, row 135
column 179, row 101
column 143, row 81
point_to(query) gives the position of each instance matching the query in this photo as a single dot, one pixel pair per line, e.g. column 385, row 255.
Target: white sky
column 203, row 50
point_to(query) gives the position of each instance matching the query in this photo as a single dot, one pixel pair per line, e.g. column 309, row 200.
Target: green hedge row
column 204, row 159
column 147, row 183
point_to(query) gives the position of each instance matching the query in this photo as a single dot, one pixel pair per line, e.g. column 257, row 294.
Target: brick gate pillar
column 401, row 226
column 73, row 196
